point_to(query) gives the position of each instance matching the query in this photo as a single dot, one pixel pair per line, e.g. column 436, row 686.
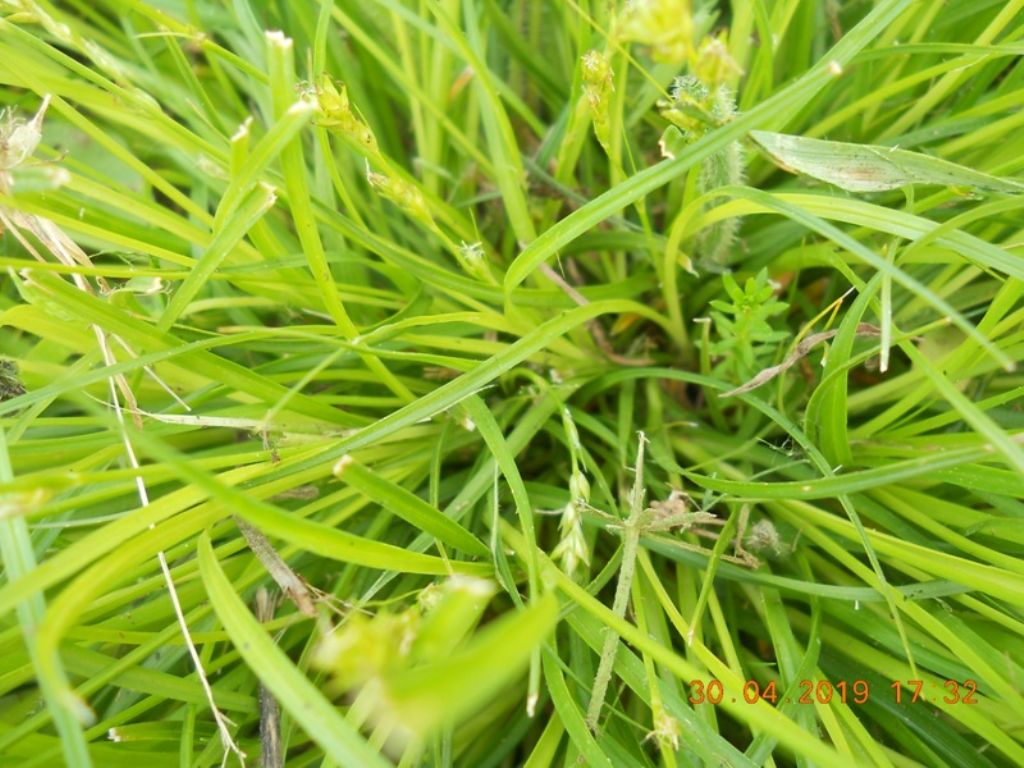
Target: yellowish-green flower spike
column 336, row 113
column 572, row 550
column 450, row 612
column 403, row 194
column 714, row 66
column 664, row 26
column 472, row 259
column 597, row 89
column 365, row 648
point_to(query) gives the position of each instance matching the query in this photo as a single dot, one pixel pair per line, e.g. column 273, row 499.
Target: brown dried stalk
column 802, row 350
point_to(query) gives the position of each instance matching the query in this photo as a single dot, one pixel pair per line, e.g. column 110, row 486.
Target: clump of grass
column 327, row 332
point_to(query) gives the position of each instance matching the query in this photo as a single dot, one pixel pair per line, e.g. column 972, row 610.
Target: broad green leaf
column 872, row 168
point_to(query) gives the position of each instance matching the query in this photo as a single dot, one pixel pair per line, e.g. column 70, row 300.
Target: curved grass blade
column 18, row 559
column 410, row 507
column 320, row 719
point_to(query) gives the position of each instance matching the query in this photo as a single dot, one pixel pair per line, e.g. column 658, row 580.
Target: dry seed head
column 18, row 138
column 667, row 730
column 674, row 505
column 763, row 538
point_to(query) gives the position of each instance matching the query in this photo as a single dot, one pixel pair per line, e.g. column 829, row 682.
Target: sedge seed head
column 579, row 486
column 367, row 647
column 664, row 26
column 667, row 730
column 403, row 194
column 763, row 538
column 572, row 551
column 715, row 66
column 597, row 81
column 336, row 113
column 19, row 137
